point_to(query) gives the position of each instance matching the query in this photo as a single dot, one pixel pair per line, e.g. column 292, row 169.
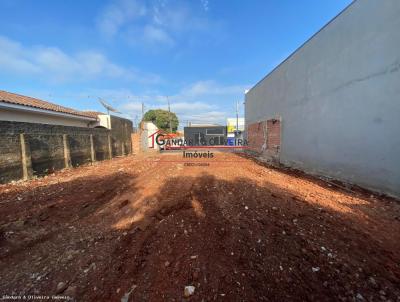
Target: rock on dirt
column 125, row 298
column 189, row 290
column 61, row 286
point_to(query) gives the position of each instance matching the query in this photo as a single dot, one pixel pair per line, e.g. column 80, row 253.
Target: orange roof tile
column 13, row 98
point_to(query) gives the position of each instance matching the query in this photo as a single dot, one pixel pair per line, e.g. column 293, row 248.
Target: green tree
column 161, row 119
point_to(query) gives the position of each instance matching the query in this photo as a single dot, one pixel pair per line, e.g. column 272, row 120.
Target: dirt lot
column 143, row 228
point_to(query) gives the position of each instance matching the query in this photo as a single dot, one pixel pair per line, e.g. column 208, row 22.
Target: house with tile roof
column 38, row 137
column 20, row 108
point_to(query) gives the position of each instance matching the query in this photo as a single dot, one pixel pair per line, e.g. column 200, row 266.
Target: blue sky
column 201, row 54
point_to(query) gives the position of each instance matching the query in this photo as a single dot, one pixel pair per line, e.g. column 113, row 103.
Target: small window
column 215, row 131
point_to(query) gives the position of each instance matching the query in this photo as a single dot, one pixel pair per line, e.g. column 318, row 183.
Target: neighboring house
column 332, row 107
column 37, row 137
column 205, row 135
column 20, row 108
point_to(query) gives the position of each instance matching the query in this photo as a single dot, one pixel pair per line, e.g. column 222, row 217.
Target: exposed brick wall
column 273, row 135
column 136, row 145
column 264, row 138
column 256, row 136
column 45, row 146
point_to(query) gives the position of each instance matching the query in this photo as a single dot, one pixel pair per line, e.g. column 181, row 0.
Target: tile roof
column 94, row 114
column 13, row 98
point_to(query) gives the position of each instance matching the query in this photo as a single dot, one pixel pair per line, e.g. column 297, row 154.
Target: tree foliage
column 160, row 118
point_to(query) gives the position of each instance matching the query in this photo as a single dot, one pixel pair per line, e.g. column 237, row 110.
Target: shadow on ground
column 233, row 240
column 239, row 241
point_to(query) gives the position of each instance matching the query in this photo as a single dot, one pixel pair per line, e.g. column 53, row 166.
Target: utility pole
column 136, row 122
column 141, row 121
column 169, row 116
column 237, row 119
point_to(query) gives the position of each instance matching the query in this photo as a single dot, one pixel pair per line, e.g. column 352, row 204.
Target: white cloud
column 200, row 102
column 12, row 57
column 151, row 23
column 209, row 117
column 211, row 89
column 191, row 106
column 152, row 34
column 118, row 14
column 132, row 107
column 54, row 64
column 205, row 4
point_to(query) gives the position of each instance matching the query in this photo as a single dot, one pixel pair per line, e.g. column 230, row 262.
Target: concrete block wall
column 121, row 130
column 80, row 149
column 10, row 156
column 28, row 149
column 46, row 152
column 101, row 147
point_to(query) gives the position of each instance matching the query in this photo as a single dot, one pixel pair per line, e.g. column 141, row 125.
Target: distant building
column 205, row 135
column 231, row 125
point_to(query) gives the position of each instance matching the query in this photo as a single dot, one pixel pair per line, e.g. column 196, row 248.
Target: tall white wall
column 33, row 117
column 148, row 129
column 339, row 98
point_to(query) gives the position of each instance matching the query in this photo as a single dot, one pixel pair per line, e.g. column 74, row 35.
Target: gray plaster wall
column 338, row 97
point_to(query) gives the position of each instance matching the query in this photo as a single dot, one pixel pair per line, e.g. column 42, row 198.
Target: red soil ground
column 236, row 230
